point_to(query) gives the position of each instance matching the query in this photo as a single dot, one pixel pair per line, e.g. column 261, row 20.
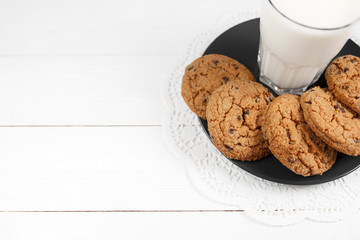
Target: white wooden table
column 82, row 154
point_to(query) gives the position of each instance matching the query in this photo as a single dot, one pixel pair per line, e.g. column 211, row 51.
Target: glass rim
column 315, row 28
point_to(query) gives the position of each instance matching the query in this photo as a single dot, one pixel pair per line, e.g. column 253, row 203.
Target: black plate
column 241, row 43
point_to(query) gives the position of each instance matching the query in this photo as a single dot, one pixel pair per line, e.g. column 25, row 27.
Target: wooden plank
column 82, row 90
column 96, row 168
column 104, row 26
column 176, row 225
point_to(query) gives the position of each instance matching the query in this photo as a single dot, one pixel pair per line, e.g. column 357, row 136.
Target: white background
column 81, row 148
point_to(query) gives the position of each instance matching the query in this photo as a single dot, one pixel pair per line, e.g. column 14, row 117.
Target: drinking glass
column 292, row 56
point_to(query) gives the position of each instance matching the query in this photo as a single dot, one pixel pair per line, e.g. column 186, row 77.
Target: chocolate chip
column 239, row 118
column 346, row 87
column 352, row 60
column 268, row 95
column 228, row 148
column 231, row 130
column 292, row 159
column 270, row 98
column 356, row 140
column 308, row 102
column 190, row 67
column 346, row 69
column 246, row 112
column 339, row 72
column 326, row 148
column 357, row 97
column 226, row 79
column 239, row 144
column 236, row 88
column 205, row 100
column 345, row 57
column 342, row 109
column 288, row 133
column 216, row 62
column 235, row 66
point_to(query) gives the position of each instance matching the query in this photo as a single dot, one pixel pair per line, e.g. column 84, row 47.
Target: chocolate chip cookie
column 233, row 114
column 343, row 79
column 291, row 140
column 204, row 75
column 331, row 120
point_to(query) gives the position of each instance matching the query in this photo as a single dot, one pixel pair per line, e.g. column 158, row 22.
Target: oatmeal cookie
column 205, row 74
column 331, row 120
column 233, row 116
column 343, row 79
column 292, row 141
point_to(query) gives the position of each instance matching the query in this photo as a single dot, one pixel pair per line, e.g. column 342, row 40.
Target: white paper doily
column 217, row 178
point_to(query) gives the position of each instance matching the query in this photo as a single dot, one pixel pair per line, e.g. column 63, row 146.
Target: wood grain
column 92, row 168
column 82, row 90
column 174, row 225
column 105, row 27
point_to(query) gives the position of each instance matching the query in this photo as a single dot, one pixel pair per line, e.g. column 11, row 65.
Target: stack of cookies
column 247, row 123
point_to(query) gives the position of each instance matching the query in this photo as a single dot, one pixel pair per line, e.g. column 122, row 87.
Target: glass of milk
column 298, row 39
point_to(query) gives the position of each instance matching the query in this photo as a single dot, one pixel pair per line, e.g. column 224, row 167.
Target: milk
column 298, row 38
